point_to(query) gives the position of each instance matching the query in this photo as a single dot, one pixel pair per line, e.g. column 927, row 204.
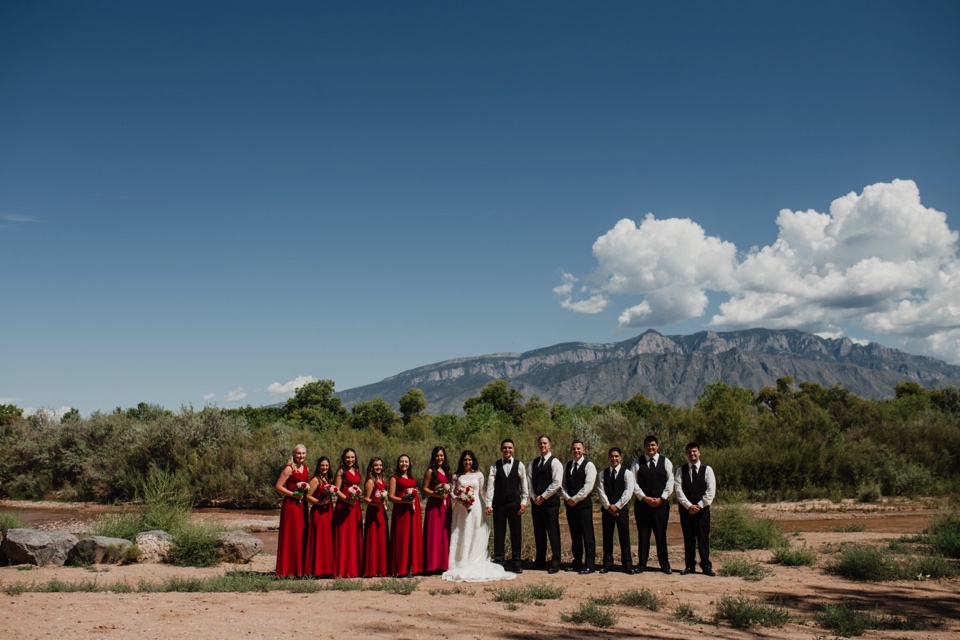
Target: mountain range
column 672, row 369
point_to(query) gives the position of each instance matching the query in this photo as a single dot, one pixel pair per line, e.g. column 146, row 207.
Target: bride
column 469, row 535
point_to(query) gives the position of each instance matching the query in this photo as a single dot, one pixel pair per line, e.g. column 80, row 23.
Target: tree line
column 790, row 441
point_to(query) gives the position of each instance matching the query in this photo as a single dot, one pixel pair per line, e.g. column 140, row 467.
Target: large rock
column 238, row 546
column 99, row 550
column 154, row 545
column 30, row 546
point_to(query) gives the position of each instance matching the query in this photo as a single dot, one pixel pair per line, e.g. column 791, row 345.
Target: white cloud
column 49, row 414
column 878, row 261
column 289, row 388
column 9, row 220
column 209, row 397
column 236, row 395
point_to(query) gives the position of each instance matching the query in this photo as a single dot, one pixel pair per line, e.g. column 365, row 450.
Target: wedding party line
column 324, row 534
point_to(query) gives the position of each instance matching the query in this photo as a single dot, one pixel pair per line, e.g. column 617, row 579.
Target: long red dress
column 347, row 531
column 406, row 545
column 293, row 529
column 320, row 539
column 436, row 528
column 375, row 536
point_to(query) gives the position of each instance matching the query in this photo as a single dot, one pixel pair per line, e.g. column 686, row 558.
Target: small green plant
column 130, row 553
column 511, row 606
column 345, row 584
column 850, row 528
column 923, row 567
column 125, row 525
column 639, row 598
column 741, row 568
column 685, row 613
column 9, row 520
column 195, row 544
column 735, row 528
column 861, row 562
column 844, row 620
column 529, row 593
column 743, row 613
column 944, row 534
column 592, row 614
column 457, row 590
column 25, row 567
column 397, row 586
column 793, row 556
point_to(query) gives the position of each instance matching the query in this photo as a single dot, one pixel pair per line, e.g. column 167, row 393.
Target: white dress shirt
column 708, row 495
column 628, row 487
column 556, row 475
column 645, row 461
column 491, row 480
column 591, row 472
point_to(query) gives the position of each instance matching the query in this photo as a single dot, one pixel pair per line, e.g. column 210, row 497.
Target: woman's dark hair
column 343, row 460
column 396, row 470
column 445, row 467
column 328, row 477
column 370, row 473
column 473, row 459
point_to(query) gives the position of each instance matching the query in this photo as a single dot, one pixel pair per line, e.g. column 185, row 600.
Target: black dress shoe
column 587, row 571
column 709, row 572
column 604, row 569
column 630, row 571
column 667, row 571
column 639, row 569
column 687, row 572
column 570, row 569
column 553, row 570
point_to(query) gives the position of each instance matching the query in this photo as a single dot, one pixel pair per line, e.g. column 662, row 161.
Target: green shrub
column 735, row 528
column 397, row 586
column 685, row 613
column 944, row 534
column 743, row 613
column 639, row 598
column 9, row 520
column 125, row 525
column 592, row 614
column 861, row 562
column 793, row 556
column 741, row 568
column 921, row 567
column 195, row 545
column 844, row 620
column 850, row 528
column 529, row 593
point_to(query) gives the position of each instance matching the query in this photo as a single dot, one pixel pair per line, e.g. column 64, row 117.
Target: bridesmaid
column 320, row 539
column 407, row 544
column 347, row 518
column 375, row 527
column 292, row 485
column 436, row 522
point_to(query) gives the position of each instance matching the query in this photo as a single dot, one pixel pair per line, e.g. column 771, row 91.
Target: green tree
column 10, row 413
column 501, row 397
column 373, row 414
column 412, row 403
column 315, row 404
column 70, row 416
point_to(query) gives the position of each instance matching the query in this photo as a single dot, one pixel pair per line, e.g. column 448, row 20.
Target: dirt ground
column 472, row 613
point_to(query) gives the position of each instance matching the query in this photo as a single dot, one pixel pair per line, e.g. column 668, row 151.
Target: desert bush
column 195, row 545
column 863, row 562
column 944, row 534
column 793, row 556
column 735, row 528
column 592, row 614
column 845, row 621
column 741, row 568
column 743, row 613
column 639, row 598
column 9, row 520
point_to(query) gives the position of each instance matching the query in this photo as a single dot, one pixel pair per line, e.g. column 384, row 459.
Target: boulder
column 154, row 545
column 238, row 546
column 30, row 546
column 99, row 550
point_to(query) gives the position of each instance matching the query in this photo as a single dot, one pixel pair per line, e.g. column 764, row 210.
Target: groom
column 507, row 497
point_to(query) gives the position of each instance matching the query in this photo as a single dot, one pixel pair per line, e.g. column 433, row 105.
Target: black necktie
column 652, row 465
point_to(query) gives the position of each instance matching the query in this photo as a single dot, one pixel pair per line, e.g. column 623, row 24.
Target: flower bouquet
column 300, row 491
column 441, row 490
column 380, row 495
column 465, row 496
column 410, row 494
column 354, row 492
column 328, row 492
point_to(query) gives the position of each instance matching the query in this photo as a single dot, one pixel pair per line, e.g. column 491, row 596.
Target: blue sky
column 201, row 200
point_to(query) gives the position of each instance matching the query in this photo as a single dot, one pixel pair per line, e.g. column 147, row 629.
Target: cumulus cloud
column 209, row 397
column 878, row 261
column 236, row 395
column 289, row 388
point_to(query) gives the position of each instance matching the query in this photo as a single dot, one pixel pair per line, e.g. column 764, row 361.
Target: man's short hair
column 541, row 437
column 649, row 439
column 691, row 445
column 505, row 441
column 580, row 442
column 612, row 449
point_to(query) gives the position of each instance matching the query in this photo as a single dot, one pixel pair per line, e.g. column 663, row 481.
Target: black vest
column 652, row 483
column 696, row 488
column 542, row 476
column 574, row 482
column 506, row 489
column 613, row 487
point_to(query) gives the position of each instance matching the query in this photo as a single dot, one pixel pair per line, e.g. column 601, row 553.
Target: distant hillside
column 672, row 369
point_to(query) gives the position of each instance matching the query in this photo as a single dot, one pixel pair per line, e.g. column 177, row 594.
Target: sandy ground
column 470, row 612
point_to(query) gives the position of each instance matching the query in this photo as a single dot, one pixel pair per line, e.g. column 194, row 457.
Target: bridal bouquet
column 300, row 491
column 441, row 490
column 354, row 492
column 465, row 496
column 380, row 495
column 328, row 491
column 410, row 494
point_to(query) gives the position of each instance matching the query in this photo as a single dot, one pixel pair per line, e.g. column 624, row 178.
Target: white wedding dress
column 469, row 537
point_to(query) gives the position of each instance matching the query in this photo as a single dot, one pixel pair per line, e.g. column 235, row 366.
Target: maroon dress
column 436, row 528
column 320, row 540
column 293, row 529
column 375, row 536
column 406, row 545
column 347, row 531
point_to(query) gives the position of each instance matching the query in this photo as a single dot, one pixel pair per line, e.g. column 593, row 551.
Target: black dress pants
column 652, row 520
